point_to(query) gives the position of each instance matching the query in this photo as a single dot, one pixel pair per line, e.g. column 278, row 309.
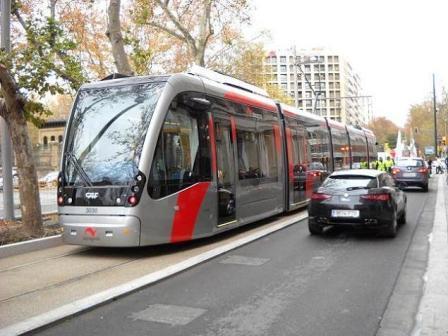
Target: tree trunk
column 28, row 187
column 11, row 109
column 116, row 39
column 199, row 58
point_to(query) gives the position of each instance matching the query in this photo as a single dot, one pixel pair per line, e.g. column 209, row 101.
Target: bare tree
column 196, row 23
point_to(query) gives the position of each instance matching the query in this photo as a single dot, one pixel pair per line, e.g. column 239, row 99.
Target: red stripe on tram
column 290, row 156
column 188, row 204
column 239, row 98
column 211, row 134
column 277, row 137
column 233, row 125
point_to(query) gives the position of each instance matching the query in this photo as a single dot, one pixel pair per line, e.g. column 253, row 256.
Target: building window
column 283, row 59
column 52, row 138
column 60, row 138
column 282, row 68
column 45, row 141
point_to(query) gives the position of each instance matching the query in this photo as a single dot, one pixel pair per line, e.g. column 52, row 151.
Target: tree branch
column 167, row 30
column 173, row 18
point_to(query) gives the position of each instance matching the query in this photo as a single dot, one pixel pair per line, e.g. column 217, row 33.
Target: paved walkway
column 432, row 319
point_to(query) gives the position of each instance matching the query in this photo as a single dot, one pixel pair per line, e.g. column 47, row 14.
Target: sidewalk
column 432, row 318
column 419, row 303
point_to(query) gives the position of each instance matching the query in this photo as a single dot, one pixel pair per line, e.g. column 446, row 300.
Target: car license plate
column 345, row 213
column 409, row 174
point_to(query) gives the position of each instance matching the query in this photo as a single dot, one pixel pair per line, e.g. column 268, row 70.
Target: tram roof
column 126, row 80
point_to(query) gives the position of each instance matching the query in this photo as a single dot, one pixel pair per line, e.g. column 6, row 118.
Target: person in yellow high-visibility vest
column 388, row 164
column 380, row 165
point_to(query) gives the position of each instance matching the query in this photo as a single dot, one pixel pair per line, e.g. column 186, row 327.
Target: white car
column 49, row 180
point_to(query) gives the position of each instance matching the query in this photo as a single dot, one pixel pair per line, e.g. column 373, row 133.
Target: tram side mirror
column 199, row 104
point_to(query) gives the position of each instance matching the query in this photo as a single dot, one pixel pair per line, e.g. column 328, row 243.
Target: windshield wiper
column 79, row 169
column 89, row 147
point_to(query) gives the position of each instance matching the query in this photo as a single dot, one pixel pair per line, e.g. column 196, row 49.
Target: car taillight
column 376, row 197
column 395, row 171
column 423, row 170
column 320, row 197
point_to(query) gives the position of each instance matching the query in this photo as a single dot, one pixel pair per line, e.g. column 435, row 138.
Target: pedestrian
column 430, row 166
column 439, row 165
column 388, row 164
column 380, row 165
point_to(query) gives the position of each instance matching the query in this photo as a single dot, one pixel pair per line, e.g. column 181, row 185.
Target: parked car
column 364, row 198
column 411, row 172
column 15, row 180
column 49, row 180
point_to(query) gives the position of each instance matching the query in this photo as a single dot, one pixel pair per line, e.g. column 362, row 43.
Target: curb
column 30, row 246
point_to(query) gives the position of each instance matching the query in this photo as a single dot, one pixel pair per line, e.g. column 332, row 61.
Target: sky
column 395, row 46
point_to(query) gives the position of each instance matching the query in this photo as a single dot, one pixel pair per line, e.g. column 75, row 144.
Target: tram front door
column 225, row 161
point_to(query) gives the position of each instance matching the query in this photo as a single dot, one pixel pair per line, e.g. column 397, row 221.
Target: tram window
column 182, row 153
column 340, row 149
column 359, row 150
column 268, row 157
column 318, row 141
column 248, row 156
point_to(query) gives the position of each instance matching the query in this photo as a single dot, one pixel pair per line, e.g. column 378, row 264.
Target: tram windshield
column 106, row 134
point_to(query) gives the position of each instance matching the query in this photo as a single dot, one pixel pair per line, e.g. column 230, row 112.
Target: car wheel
column 402, row 219
column 391, row 230
column 315, row 229
column 425, row 188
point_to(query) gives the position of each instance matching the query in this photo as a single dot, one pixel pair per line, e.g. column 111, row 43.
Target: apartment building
column 321, row 82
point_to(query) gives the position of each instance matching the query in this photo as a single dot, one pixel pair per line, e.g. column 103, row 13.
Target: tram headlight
column 60, row 200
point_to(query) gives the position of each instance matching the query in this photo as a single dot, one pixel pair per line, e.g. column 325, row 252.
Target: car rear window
column 410, row 163
column 344, row 182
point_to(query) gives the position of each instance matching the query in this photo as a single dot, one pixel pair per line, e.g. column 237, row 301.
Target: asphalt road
column 288, row 283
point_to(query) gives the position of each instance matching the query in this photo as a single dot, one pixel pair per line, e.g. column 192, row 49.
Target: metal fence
column 47, row 160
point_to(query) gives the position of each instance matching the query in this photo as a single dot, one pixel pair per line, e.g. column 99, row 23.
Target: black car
column 363, row 197
column 411, row 172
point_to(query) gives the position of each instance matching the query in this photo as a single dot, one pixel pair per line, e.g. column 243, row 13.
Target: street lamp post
column 8, row 191
column 435, row 111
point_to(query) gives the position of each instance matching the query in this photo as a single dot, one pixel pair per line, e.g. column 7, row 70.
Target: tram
column 163, row 159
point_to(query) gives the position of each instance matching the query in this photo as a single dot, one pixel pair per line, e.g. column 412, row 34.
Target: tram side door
column 225, row 137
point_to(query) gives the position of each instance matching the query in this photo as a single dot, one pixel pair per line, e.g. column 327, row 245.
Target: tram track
column 26, row 264
column 71, row 280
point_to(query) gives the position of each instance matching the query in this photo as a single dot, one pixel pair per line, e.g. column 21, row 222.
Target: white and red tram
column 162, row 159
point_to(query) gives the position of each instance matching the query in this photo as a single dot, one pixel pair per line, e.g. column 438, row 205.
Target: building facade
column 321, row 82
